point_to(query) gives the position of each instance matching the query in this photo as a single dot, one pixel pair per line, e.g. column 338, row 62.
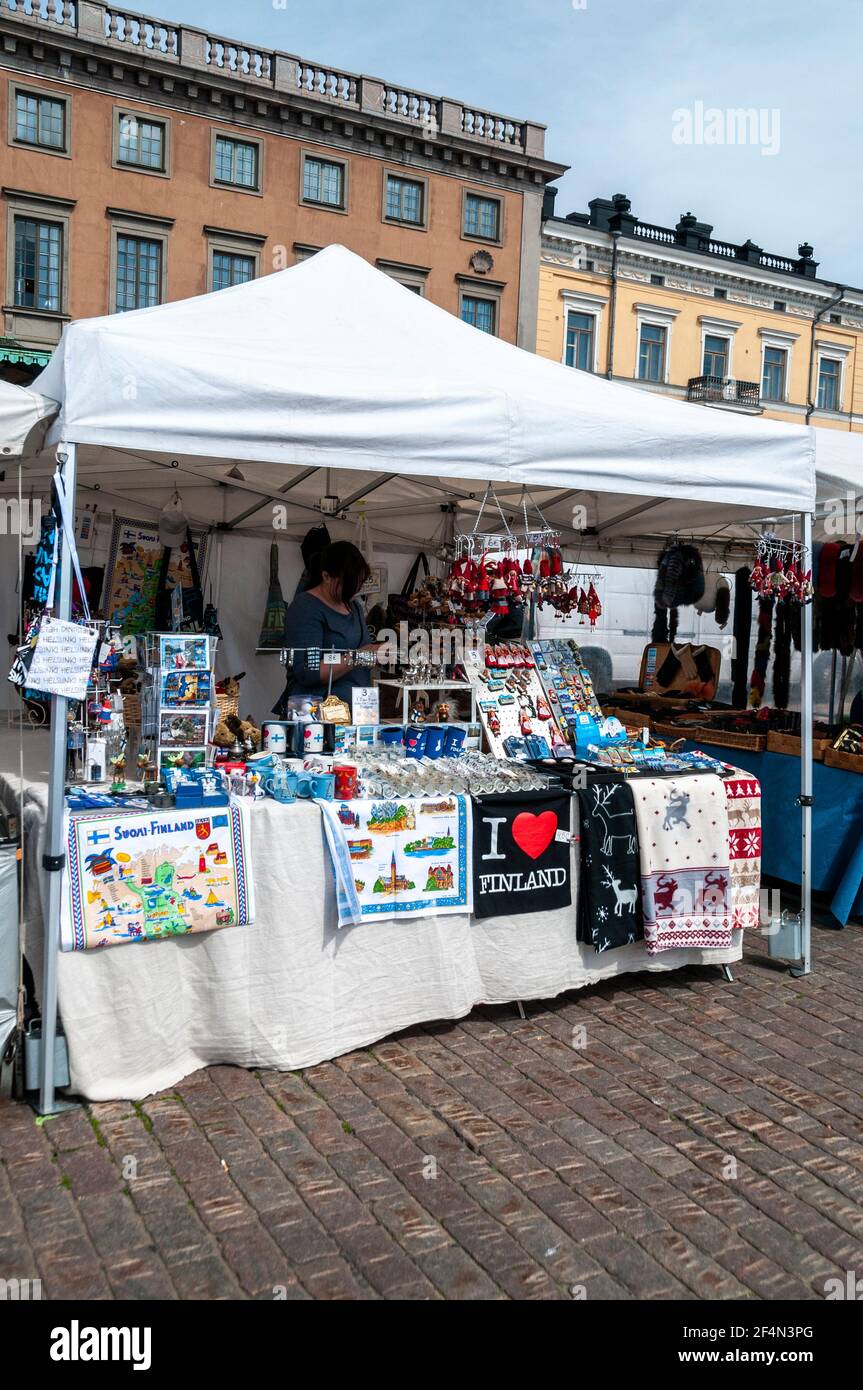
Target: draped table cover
column 293, row 990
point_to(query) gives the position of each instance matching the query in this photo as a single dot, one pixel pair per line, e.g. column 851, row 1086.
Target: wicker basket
column 132, row 711
column 720, row 738
column 226, row 705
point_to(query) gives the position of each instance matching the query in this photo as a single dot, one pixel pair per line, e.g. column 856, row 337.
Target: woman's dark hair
column 344, row 562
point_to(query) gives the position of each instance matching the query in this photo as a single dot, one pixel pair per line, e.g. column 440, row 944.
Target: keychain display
column 518, row 719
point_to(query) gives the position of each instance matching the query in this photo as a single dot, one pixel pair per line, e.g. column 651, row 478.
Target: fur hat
column 680, row 576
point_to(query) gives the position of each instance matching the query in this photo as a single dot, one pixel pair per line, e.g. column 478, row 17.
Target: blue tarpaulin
column 837, row 825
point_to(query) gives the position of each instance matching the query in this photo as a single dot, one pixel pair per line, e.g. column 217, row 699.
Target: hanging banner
column 400, row 858
column 521, row 853
column 63, row 659
column 133, row 570
column 145, row 876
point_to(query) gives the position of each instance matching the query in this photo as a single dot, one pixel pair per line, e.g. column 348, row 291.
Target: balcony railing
column 282, row 73
column 723, row 390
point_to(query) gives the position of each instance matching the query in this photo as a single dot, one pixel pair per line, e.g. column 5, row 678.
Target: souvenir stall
column 294, row 905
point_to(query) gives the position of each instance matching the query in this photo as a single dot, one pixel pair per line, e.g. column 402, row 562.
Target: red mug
column 346, row 783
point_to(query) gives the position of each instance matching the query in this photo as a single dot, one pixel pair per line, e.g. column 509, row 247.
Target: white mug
column 313, row 738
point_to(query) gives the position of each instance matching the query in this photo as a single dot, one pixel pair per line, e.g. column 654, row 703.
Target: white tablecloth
column 292, row 990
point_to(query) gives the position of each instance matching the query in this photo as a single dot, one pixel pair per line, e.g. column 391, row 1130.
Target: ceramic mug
column 313, row 738
column 346, row 783
column 323, row 786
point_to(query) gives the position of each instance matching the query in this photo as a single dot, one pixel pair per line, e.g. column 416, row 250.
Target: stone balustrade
column 196, row 49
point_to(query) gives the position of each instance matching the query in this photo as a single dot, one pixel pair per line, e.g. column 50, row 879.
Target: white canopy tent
column 332, row 365
column 24, row 418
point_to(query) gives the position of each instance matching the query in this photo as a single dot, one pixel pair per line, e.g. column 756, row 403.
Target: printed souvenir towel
column 147, row 875
column 609, row 893
column 685, row 871
column 743, row 794
column 521, row 853
column 399, row 858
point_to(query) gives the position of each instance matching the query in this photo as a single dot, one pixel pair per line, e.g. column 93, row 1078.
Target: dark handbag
column 193, row 598
column 399, row 609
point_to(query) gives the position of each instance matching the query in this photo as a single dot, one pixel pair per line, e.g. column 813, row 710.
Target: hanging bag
column 193, row 598
column 399, row 609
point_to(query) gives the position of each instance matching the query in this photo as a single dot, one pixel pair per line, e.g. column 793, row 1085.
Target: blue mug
column 454, row 742
column 435, row 740
column 323, row 786
column 415, row 742
column 304, row 785
column 392, row 738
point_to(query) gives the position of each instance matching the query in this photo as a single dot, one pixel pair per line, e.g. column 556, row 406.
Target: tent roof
column 332, row 364
column 22, row 412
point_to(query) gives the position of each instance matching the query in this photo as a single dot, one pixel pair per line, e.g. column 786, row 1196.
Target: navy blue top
column 310, row 622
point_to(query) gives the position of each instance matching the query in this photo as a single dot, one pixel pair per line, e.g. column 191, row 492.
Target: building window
column 720, row 294
column 139, row 273
column 482, row 217
column 715, row 356
column 590, row 265
column 580, row 329
column 657, row 279
column 38, row 262
column 405, row 200
column 141, row 143
column 829, row 381
column 779, row 306
column 236, row 162
column 481, row 313
column 230, row 269
column 40, row 121
column 324, row 182
column 773, row 374
column 835, row 318
column 651, row 352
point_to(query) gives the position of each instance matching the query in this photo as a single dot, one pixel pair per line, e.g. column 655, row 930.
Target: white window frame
column 772, row 338
column 658, row 316
column 833, row 352
column 576, row 302
column 712, row 327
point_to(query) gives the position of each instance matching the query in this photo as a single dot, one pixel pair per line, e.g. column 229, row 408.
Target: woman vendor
column 329, row 617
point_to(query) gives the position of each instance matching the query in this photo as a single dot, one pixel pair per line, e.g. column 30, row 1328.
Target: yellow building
column 672, row 309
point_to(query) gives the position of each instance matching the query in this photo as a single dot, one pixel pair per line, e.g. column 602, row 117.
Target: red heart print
column 534, row 834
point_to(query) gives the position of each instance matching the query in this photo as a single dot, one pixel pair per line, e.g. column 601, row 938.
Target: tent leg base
column 59, row 1106
column 726, row 971
column 797, row 972
column 521, row 1013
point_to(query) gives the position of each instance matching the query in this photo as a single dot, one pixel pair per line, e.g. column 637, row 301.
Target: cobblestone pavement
column 697, row 1139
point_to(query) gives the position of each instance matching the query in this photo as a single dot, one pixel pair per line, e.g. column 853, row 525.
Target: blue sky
column 607, row 76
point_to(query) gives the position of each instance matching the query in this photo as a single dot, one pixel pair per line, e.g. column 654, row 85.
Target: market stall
column 412, row 403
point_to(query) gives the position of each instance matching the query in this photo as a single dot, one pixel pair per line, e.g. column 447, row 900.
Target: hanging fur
column 723, row 602
column 660, row 624
column 742, row 634
column 679, row 576
column 782, row 655
column 758, row 679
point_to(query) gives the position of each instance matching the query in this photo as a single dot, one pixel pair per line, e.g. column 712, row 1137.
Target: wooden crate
column 790, row 745
column 629, row 716
column 849, row 762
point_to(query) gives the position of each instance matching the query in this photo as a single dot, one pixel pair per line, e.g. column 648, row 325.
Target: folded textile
column 521, row 853
column 146, row 875
column 685, row 863
column 743, row 795
column 609, row 901
column 399, row 858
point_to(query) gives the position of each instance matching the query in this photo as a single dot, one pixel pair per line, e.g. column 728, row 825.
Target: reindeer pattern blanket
column 609, row 899
column 685, row 862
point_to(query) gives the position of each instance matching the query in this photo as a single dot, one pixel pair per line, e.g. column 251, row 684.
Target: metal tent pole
column 54, row 858
column 806, row 798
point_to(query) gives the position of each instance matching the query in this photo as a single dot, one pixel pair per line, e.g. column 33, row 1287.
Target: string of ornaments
column 779, row 573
